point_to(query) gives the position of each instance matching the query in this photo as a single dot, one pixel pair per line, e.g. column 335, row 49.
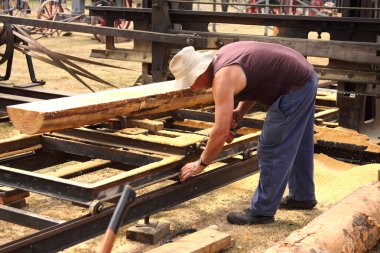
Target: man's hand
column 189, row 170
column 236, row 118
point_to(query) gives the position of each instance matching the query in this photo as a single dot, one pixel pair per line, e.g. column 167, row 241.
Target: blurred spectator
column 224, row 5
column 330, row 12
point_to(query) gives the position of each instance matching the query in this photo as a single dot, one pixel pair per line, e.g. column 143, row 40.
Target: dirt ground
column 333, row 179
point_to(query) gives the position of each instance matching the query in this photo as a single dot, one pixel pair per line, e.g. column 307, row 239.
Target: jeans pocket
column 274, row 126
column 286, row 104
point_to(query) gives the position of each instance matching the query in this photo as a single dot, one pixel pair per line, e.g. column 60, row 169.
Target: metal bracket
column 8, row 69
column 31, row 69
column 147, row 223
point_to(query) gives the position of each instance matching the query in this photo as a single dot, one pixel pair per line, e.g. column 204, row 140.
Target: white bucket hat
column 187, row 65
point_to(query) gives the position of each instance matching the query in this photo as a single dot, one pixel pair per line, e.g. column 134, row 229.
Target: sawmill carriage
column 166, row 142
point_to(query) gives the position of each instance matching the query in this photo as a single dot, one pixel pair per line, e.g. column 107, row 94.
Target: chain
column 351, row 94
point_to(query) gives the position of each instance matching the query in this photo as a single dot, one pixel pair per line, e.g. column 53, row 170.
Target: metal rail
column 64, row 235
column 86, row 143
column 115, row 32
column 56, row 235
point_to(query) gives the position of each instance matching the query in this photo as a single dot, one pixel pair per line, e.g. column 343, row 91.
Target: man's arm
column 223, row 93
column 242, row 109
column 244, row 106
column 227, row 82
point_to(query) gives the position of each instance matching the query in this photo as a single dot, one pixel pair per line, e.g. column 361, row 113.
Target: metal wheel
column 50, row 10
column 6, row 42
column 95, row 207
column 118, row 23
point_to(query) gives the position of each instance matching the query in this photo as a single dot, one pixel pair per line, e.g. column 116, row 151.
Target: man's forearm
column 244, row 106
column 214, row 145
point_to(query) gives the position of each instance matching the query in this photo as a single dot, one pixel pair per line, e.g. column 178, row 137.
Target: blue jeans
column 286, row 149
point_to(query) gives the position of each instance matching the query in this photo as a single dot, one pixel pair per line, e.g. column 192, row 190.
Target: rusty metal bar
column 109, row 31
column 72, row 232
column 209, row 117
column 34, row 92
column 97, row 151
column 158, row 169
column 37, row 160
column 26, row 219
column 84, row 193
column 123, row 141
column 19, row 145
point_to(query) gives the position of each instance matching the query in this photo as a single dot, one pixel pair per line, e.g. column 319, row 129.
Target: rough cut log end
column 352, row 225
column 27, row 122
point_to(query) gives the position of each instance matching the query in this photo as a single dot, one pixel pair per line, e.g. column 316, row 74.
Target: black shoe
column 246, row 217
column 292, row 204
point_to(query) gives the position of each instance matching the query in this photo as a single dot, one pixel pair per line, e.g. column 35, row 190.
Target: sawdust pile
column 335, row 179
column 346, row 136
column 7, row 131
column 324, row 162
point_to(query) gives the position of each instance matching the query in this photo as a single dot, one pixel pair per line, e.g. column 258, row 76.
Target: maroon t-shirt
column 270, row 69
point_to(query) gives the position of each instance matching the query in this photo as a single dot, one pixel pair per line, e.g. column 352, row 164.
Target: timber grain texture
column 208, row 240
column 351, row 225
column 87, row 109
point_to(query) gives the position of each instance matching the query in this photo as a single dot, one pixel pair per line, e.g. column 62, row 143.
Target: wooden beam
column 207, row 240
column 10, row 195
column 19, row 144
column 122, row 54
column 86, row 109
column 327, row 113
column 152, row 125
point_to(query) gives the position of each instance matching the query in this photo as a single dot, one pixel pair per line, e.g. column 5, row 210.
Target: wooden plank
column 122, row 54
column 10, row 195
column 360, row 52
column 326, row 113
column 18, row 195
column 207, row 240
column 19, row 144
column 325, row 83
column 152, row 125
column 134, row 131
column 86, row 109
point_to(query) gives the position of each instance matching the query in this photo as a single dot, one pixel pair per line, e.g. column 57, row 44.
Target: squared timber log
column 86, row 109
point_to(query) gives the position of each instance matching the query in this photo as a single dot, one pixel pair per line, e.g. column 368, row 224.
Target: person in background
column 274, row 75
